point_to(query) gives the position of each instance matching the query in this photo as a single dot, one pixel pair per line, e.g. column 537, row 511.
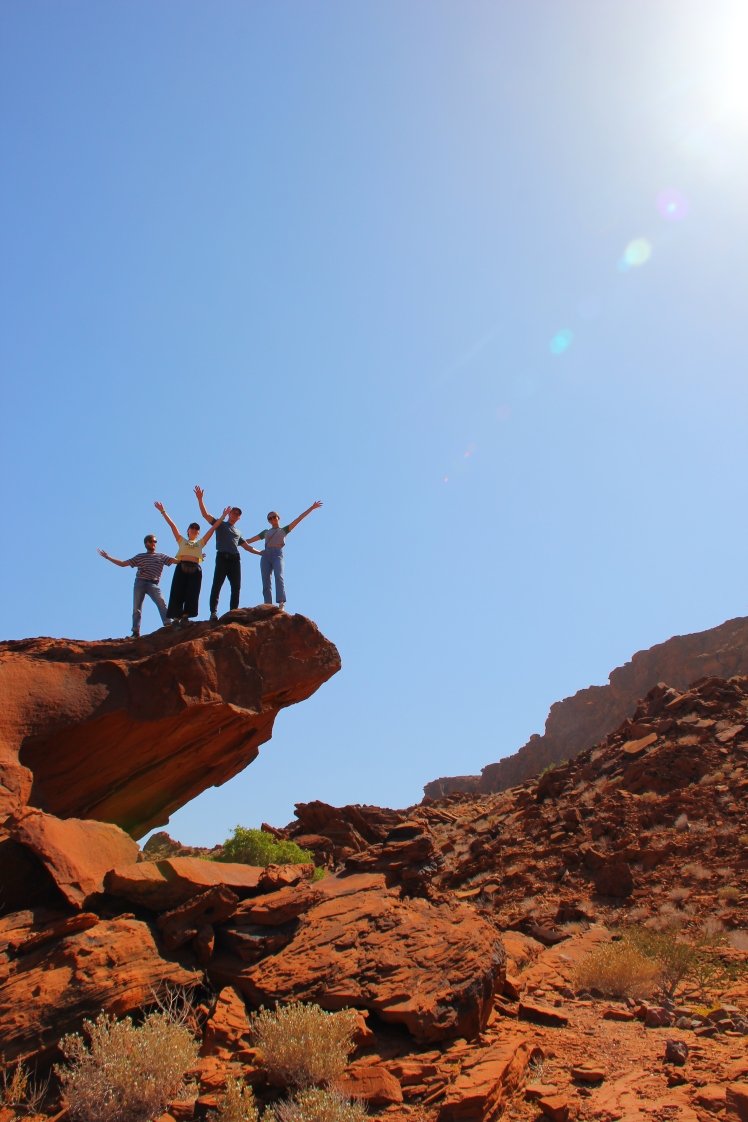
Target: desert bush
column 255, row 847
column 729, row 894
column 303, row 1045
column 681, row 822
column 127, row 1073
column 317, row 1105
column 20, row 1089
column 237, row 1105
column 650, row 797
column 710, row 780
column 618, row 970
column 743, row 839
column 679, row 896
column 739, row 940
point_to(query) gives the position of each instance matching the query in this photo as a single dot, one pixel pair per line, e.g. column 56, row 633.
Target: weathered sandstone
column 128, row 730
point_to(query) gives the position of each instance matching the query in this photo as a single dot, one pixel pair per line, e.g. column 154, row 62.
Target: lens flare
column 637, row 252
column 561, row 341
column 673, row 205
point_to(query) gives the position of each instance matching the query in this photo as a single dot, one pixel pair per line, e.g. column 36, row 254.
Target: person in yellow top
column 188, row 574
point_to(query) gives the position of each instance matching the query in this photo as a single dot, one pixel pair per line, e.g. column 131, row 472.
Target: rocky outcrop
column 579, row 721
column 128, row 730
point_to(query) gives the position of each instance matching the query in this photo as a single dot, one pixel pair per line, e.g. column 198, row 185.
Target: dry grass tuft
column 316, row 1105
column 20, row 1089
column 679, row 896
column 618, row 970
column 739, row 940
column 303, row 1045
column 730, row 894
column 681, row 822
column 698, row 872
column 126, row 1073
column 710, row 780
column 650, row 797
column 237, row 1105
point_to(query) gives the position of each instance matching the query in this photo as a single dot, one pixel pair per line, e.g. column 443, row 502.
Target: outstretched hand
column 227, row 512
column 102, row 553
column 159, row 506
column 199, row 491
column 315, row 505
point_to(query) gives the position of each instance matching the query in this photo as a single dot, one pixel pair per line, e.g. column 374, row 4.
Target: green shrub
column 255, row 847
column 302, row 1045
column 618, row 970
column 126, row 1073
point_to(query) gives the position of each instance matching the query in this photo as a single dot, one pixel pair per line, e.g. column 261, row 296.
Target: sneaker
column 136, row 635
column 175, row 623
column 282, row 605
column 214, row 617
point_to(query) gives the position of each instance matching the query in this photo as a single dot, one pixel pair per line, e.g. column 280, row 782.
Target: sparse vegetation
column 318, row 1105
column 739, row 940
column 618, row 970
column 681, row 822
column 304, row 1046
column 650, row 797
column 729, row 894
column 21, row 1090
column 238, row 1104
column 255, row 847
column 698, row 872
column 127, row 1073
column 679, row 896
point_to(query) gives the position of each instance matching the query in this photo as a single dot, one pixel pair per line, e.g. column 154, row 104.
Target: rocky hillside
column 580, row 721
column 454, row 927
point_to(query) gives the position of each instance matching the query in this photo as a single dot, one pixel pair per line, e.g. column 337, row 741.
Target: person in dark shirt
column 228, row 562
column 150, row 566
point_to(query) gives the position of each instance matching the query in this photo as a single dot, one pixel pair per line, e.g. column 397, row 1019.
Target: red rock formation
column 578, row 722
column 127, row 731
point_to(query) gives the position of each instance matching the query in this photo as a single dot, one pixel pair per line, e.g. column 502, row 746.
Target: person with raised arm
column 150, row 566
column 228, row 562
column 271, row 559
column 184, row 597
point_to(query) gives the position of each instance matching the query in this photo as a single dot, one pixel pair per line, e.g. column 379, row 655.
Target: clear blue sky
column 474, row 274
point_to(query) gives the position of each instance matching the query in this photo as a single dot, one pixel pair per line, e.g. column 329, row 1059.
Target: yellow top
column 190, row 551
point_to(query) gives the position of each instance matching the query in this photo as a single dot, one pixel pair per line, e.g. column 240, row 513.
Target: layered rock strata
column 128, row 730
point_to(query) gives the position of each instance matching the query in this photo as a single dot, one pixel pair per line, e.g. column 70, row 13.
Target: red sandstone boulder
column 115, row 966
column 479, row 1092
column 163, row 885
column 129, row 730
column 433, row 969
column 614, row 880
column 372, row 1083
column 227, row 1028
column 74, row 852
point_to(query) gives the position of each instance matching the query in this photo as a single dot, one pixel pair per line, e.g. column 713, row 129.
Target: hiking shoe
column 214, row 617
column 282, row 605
column 136, row 635
column 175, row 624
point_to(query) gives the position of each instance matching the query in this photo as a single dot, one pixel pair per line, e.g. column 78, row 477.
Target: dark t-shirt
column 228, row 538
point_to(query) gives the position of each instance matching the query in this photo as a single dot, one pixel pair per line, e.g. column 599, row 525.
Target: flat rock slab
column 114, row 967
column 542, row 1014
column 433, row 969
column 163, row 885
column 76, row 853
column 372, row 1083
column 479, row 1092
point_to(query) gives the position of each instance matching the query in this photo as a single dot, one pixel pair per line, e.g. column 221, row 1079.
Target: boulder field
column 453, row 927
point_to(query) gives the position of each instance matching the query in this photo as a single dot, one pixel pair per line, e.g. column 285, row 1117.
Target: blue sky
column 471, row 273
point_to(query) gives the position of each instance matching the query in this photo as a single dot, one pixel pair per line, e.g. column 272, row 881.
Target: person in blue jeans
column 271, row 558
column 150, row 566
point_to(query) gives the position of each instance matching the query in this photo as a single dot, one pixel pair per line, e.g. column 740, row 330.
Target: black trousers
column 185, row 593
column 227, row 565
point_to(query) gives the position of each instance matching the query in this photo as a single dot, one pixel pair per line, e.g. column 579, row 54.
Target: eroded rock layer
column 128, row 730
column 578, row 722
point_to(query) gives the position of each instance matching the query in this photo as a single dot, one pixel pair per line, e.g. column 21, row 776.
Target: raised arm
column 216, row 524
column 200, row 492
column 122, row 564
column 174, row 530
column 296, row 521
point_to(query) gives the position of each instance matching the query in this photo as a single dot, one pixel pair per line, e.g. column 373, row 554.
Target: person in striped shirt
column 150, row 566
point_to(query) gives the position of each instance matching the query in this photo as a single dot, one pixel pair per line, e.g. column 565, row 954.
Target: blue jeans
column 272, row 562
column 142, row 589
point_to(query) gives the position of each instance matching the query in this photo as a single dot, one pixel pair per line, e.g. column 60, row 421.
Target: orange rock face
column 127, row 731
column 114, row 966
column 433, row 969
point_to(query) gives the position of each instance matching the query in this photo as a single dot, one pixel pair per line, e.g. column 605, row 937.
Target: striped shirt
column 150, row 565
column 275, row 537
